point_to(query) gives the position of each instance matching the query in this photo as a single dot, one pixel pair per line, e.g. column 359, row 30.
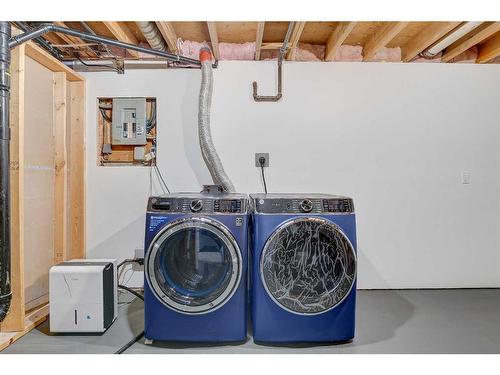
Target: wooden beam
column 489, row 50
column 168, row 33
column 258, row 39
column 214, row 39
column 74, row 41
column 381, row 37
column 274, row 45
column 337, row 38
column 15, row 318
column 298, row 28
column 30, row 321
column 76, row 157
column 425, row 38
column 122, row 33
column 46, row 59
column 60, row 177
column 465, row 43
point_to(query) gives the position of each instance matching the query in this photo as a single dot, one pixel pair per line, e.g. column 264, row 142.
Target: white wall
column 396, row 137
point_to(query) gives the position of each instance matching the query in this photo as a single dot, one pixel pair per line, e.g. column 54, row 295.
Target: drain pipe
column 277, row 97
column 5, row 292
column 152, row 35
column 208, row 150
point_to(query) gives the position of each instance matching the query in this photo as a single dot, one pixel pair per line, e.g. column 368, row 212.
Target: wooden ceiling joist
column 424, row 39
column 168, row 33
column 258, row 39
column 214, row 39
column 381, row 37
column 122, row 33
column 298, row 27
column 466, row 42
column 412, row 37
column 489, row 50
column 335, row 40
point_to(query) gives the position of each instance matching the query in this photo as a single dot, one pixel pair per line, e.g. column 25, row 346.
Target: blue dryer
column 303, row 268
column 195, row 267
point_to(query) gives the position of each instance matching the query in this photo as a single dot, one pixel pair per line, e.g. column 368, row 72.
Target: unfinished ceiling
column 310, row 41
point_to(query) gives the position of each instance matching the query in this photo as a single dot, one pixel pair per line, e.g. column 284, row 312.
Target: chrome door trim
column 294, row 221
column 221, row 232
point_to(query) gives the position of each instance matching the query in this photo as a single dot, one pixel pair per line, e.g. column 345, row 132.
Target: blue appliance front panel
column 226, row 324
column 271, row 323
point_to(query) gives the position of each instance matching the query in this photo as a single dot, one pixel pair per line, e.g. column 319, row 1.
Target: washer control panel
column 303, row 205
column 228, row 205
column 197, row 205
column 338, row 205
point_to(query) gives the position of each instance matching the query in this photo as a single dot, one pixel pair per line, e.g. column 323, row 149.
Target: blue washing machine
column 195, row 267
column 303, row 268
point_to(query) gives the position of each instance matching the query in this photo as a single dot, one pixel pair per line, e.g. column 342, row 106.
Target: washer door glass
column 308, row 266
column 194, row 265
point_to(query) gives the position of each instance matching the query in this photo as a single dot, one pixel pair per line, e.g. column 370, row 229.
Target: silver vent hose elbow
column 208, row 150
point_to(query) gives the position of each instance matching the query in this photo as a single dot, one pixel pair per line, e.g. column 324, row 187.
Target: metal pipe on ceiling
column 23, row 26
column 45, row 28
column 97, row 65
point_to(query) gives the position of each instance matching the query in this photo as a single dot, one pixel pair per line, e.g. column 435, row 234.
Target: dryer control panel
column 197, row 205
column 303, row 205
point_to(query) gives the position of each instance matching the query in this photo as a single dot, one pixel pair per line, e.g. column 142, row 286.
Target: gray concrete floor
column 388, row 321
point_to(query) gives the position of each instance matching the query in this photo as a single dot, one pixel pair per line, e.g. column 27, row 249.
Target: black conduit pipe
column 45, row 28
column 5, row 292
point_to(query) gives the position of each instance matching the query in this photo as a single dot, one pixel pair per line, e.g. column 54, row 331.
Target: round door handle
column 306, row 205
column 196, row 205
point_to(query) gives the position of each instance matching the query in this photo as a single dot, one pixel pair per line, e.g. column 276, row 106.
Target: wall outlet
column 138, row 254
column 465, row 178
column 259, row 155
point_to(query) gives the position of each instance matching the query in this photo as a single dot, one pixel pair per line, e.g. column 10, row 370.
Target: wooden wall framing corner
column 69, row 178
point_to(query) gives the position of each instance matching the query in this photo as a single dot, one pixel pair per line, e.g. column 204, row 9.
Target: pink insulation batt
column 237, row 51
column 191, row 49
column 349, row 53
column 388, row 55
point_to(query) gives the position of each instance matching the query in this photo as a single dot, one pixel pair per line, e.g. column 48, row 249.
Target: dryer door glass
column 194, row 265
column 308, row 266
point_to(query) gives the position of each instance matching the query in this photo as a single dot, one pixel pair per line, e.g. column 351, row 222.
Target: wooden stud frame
column 69, row 178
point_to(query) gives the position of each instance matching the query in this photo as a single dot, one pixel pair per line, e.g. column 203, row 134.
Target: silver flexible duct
column 206, row 143
column 152, row 35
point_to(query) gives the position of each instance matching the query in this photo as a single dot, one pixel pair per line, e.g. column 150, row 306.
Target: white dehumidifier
column 83, row 295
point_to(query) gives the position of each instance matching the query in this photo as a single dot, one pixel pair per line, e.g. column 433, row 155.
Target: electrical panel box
column 129, row 121
column 126, row 131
